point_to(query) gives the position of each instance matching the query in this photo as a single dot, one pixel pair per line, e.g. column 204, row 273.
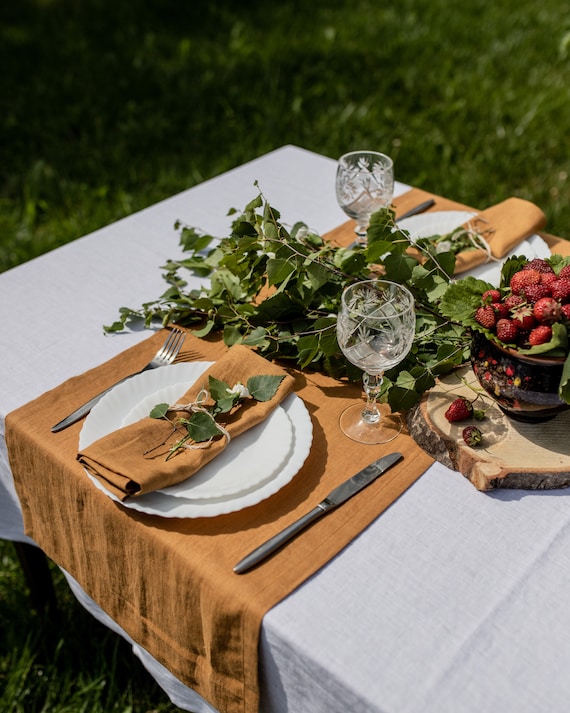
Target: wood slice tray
column 512, row 454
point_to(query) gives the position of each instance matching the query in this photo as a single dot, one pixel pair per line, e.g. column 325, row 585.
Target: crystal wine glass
column 364, row 184
column 375, row 331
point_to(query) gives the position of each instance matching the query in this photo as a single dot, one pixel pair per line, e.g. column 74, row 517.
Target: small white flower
column 443, row 247
column 239, row 390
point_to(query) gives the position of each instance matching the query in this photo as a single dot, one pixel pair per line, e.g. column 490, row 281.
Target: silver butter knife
column 335, row 498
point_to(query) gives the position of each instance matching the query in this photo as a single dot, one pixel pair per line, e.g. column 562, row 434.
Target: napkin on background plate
column 118, row 459
column 503, row 227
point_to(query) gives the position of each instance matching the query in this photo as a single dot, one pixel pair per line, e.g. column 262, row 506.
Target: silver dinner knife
column 426, row 205
column 335, row 498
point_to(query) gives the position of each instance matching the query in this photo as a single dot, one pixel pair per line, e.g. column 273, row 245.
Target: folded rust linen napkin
column 503, row 227
column 132, row 460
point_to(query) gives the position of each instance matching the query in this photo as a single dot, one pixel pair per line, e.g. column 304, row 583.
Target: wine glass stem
column 372, row 387
column 360, row 231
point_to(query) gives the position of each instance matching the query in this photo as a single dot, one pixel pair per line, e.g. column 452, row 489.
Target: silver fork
column 164, row 356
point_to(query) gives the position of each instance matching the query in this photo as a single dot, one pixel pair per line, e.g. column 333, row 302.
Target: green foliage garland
column 279, row 291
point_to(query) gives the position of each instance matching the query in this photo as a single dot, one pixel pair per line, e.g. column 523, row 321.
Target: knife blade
column 421, row 208
column 335, row 498
column 83, row 410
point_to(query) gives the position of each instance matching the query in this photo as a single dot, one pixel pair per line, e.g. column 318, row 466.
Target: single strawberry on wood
column 459, row 410
column 472, row 436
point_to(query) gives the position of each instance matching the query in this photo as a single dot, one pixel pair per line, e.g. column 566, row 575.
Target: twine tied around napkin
column 118, row 459
column 502, row 227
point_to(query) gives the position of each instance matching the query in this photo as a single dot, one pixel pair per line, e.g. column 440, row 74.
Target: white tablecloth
column 453, row 601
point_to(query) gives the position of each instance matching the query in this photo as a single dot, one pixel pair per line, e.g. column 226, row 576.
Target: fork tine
column 175, row 346
column 166, row 346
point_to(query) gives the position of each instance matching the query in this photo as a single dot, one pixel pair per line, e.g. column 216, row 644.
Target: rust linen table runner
column 169, row 583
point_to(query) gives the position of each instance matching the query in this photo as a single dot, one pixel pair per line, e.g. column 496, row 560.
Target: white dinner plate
column 253, row 466
column 443, row 222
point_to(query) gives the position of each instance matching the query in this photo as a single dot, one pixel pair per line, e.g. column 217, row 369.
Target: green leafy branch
column 278, row 289
column 202, row 425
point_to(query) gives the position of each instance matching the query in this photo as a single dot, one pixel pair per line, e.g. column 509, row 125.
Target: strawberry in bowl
column 519, row 347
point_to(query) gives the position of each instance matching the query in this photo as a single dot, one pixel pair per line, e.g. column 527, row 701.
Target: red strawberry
column 501, row 310
column 522, row 278
column 523, row 317
column 472, row 435
column 565, row 272
column 485, row 315
column 513, row 301
column 507, row 331
column 547, row 310
column 533, row 293
column 491, row 296
column 459, row 410
column 540, row 335
column 561, row 289
column 565, row 309
column 538, row 264
column 547, row 278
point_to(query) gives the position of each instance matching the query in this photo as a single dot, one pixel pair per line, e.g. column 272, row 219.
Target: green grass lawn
column 108, row 106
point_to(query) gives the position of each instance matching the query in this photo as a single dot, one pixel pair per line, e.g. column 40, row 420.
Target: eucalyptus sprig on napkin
column 278, row 289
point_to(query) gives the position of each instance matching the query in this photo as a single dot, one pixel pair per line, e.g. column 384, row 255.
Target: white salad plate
column 443, row 222
column 253, row 466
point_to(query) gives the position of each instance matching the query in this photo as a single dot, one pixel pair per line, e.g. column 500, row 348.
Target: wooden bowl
column 524, row 387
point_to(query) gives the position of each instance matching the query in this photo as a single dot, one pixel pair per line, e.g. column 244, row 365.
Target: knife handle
column 278, row 540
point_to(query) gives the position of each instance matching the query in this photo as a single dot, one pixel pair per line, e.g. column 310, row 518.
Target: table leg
column 36, row 570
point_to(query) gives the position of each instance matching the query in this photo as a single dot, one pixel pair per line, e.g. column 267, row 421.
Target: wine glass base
column 388, row 427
